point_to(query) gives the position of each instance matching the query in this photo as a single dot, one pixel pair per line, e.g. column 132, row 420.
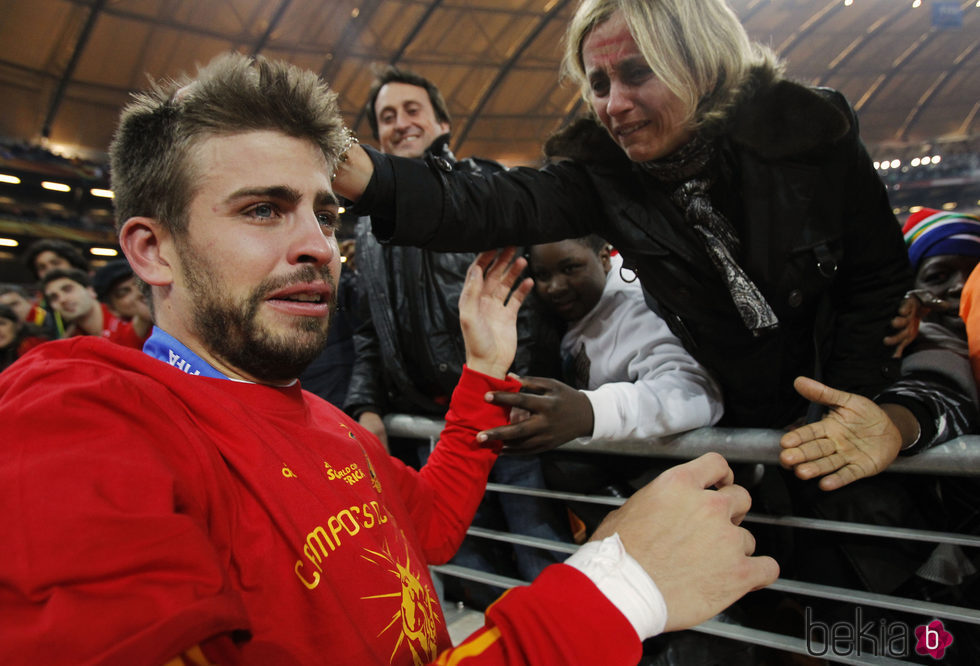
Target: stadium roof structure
column 912, row 69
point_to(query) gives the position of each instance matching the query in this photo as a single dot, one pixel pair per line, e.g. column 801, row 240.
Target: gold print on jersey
column 416, row 615
column 351, row 474
column 324, row 540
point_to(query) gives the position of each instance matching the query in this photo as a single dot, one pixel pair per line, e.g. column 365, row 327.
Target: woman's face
column 8, row 331
column 632, row 103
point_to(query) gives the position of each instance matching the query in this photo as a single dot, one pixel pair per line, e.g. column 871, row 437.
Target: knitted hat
column 930, row 232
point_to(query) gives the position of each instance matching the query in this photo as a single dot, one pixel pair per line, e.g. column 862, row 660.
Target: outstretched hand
column 488, row 310
column 556, row 413
column 685, row 533
column 856, row 438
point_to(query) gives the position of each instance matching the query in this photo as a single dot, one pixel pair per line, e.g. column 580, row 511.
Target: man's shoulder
column 61, row 363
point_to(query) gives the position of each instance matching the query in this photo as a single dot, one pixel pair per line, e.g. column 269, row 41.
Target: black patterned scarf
column 688, row 170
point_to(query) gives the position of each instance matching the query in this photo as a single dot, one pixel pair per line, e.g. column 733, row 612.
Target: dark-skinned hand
column 916, row 306
column 557, row 413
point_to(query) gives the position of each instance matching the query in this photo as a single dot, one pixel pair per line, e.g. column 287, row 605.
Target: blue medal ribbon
column 165, row 347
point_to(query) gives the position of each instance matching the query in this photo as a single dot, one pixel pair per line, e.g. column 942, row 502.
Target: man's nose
column 311, row 243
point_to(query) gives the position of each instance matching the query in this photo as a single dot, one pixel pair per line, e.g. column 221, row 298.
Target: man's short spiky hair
column 153, row 173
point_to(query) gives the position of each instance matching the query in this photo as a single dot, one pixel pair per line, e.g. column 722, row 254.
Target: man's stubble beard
column 230, row 330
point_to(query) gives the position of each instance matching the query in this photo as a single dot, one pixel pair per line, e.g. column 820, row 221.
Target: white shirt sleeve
column 660, row 389
column 624, row 582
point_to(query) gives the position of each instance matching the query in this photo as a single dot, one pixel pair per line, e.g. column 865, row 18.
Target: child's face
column 569, row 277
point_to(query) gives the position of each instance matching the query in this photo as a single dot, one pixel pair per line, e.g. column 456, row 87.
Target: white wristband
column 624, row 582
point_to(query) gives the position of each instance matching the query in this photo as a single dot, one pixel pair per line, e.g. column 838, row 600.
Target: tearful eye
column 599, row 88
column 327, row 219
column 263, row 210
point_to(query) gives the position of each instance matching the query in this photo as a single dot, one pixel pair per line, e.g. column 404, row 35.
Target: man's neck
column 192, row 345
column 92, row 323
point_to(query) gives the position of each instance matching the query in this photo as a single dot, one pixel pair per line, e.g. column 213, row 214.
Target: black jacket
column 409, row 350
column 818, row 233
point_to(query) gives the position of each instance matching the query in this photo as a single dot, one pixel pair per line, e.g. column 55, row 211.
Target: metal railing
column 959, row 457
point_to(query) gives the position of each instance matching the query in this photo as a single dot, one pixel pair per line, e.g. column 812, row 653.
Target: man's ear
column 149, row 247
column 605, row 259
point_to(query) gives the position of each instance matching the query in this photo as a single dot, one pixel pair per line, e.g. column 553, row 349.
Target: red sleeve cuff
column 469, row 409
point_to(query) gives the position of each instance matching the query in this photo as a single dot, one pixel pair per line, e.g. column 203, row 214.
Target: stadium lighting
column 57, row 187
column 104, row 252
column 915, row 161
column 8, row 242
column 896, row 163
column 13, row 180
column 98, row 192
column 936, row 159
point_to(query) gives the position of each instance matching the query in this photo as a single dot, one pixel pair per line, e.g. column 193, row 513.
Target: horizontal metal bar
column 556, row 494
column 782, row 584
column 958, row 457
column 521, row 540
column 862, row 598
column 769, row 639
column 467, row 573
column 865, row 529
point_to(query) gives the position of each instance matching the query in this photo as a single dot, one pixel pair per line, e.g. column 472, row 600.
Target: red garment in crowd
column 119, row 330
column 155, row 510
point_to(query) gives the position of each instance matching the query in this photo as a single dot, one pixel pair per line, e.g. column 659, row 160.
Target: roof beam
column 273, row 24
column 80, row 44
column 505, row 70
column 397, row 55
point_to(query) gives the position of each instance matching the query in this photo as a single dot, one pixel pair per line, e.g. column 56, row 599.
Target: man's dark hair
column 9, row 288
column 392, row 74
column 63, row 249
column 73, row 274
column 593, row 242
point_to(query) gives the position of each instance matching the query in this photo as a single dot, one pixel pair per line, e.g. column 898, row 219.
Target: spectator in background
column 634, row 375
column 409, row 348
column 328, row 376
column 16, row 337
column 70, row 293
column 46, row 255
column 935, row 393
column 944, row 248
column 27, row 309
column 117, row 286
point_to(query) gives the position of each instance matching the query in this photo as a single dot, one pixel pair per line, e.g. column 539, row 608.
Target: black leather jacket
column 818, row 233
column 409, row 350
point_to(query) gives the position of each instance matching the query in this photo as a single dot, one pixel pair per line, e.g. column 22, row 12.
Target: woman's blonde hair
column 698, row 48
